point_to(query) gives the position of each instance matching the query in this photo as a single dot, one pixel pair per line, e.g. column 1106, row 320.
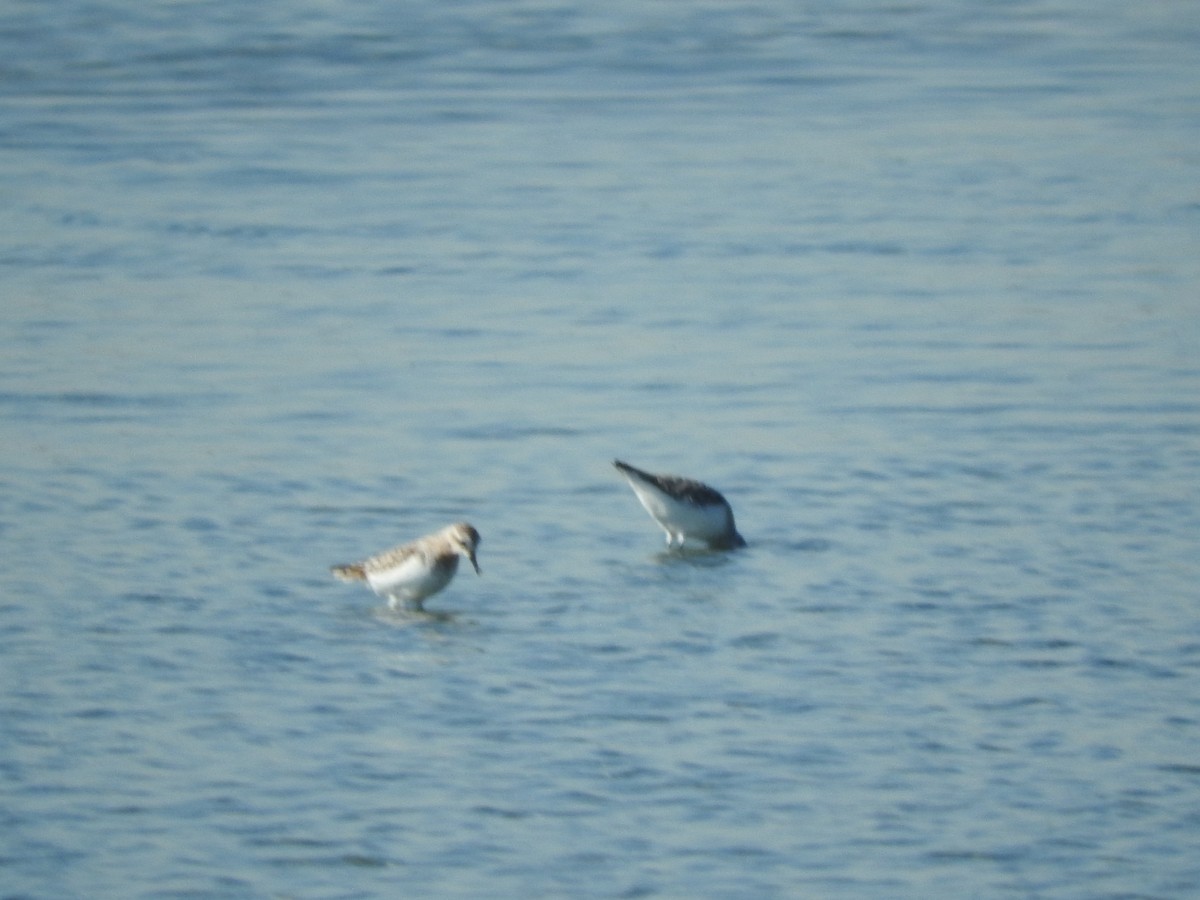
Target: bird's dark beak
column 471, row 557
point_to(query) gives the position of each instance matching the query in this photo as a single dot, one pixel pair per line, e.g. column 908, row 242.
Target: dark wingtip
column 349, row 572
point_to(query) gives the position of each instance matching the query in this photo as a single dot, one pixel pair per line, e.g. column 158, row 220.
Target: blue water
column 916, row 286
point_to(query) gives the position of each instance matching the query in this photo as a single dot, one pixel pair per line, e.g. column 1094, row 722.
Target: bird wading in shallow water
column 407, row 574
column 685, row 509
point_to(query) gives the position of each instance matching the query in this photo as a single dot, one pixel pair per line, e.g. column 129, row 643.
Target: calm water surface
column 916, row 286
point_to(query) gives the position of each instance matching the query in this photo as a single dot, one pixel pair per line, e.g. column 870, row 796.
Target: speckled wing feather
column 387, row 559
column 390, row 559
column 684, row 488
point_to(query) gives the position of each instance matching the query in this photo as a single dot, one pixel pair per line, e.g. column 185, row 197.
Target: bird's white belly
column 679, row 517
column 411, row 580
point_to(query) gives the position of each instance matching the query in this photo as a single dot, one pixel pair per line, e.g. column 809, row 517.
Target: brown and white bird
column 407, row 574
column 684, row 508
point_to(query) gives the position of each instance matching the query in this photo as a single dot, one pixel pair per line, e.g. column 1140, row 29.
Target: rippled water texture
column 914, row 285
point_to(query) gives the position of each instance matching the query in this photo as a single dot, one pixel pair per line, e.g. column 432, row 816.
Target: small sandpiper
column 684, row 508
column 407, row 574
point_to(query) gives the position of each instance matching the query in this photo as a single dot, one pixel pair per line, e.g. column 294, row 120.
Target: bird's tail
column 350, row 572
column 626, row 469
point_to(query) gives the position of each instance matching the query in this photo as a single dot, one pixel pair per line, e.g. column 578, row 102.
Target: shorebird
column 407, row 574
column 684, row 508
